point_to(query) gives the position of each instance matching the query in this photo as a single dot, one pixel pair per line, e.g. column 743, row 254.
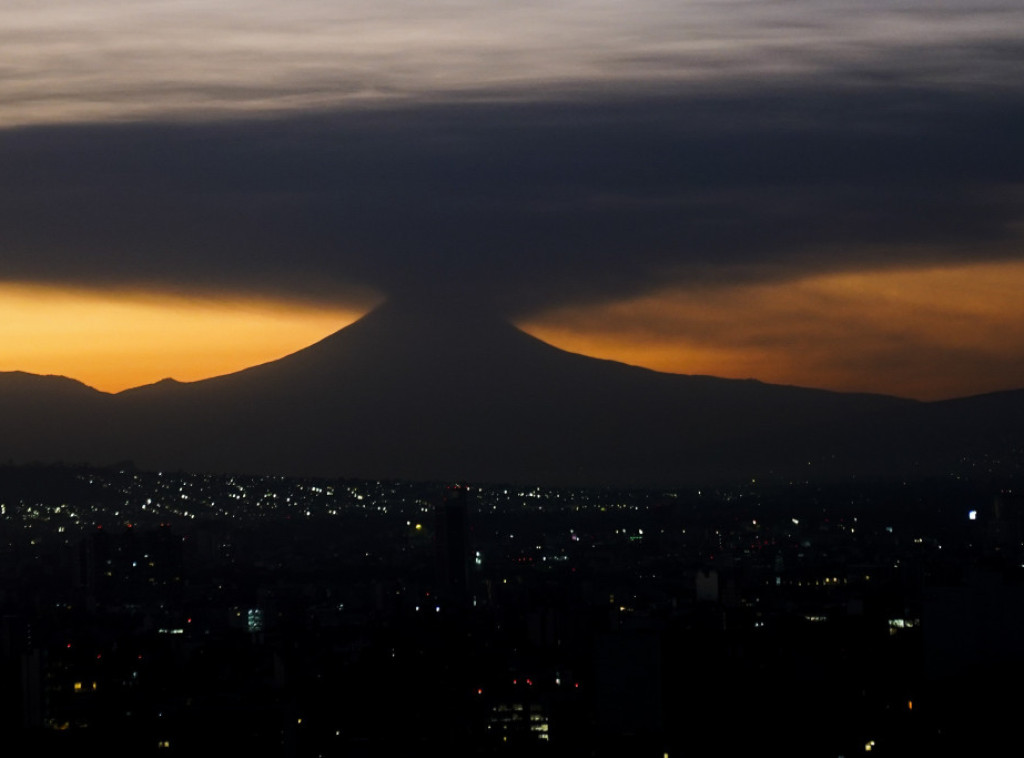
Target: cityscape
column 159, row 613
column 468, row 378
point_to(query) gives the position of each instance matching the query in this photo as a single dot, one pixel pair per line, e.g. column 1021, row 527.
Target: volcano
column 428, row 392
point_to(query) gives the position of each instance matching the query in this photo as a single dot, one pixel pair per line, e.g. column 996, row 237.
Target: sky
column 828, row 194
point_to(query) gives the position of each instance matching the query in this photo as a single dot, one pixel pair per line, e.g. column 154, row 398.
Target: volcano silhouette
column 425, row 392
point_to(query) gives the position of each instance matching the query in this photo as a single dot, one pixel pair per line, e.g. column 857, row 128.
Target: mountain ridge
column 421, row 393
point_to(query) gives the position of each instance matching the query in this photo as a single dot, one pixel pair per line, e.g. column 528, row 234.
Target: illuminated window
column 255, row 620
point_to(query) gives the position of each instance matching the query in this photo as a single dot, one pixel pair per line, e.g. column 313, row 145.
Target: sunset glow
column 121, row 340
column 938, row 333
column 931, row 334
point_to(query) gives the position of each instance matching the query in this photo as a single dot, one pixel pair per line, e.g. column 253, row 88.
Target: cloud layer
column 529, row 157
column 77, row 60
column 525, row 205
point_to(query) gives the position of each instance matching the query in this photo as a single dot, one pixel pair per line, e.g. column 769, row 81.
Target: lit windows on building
column 255, row 620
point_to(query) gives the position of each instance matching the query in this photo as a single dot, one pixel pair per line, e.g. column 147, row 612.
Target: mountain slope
column 49, row 418
column 435, row 393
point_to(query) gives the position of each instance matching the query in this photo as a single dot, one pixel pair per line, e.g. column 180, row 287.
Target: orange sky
column 113, row 341
column 930, row 334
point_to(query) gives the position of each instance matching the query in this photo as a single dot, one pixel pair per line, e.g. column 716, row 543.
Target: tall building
column 452, row 545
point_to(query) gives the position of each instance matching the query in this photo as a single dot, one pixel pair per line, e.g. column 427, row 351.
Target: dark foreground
column 174, row 614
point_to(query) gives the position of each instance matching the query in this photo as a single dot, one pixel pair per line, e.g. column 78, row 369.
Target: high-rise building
column 452, row 545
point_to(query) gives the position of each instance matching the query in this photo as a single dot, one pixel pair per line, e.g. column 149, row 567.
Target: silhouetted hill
column 48, row 418
column 435, row 393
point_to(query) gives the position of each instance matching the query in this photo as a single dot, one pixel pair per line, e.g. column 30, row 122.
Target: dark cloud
column 521, row 205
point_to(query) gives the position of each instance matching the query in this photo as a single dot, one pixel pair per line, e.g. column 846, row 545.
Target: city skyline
column 802, row 193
